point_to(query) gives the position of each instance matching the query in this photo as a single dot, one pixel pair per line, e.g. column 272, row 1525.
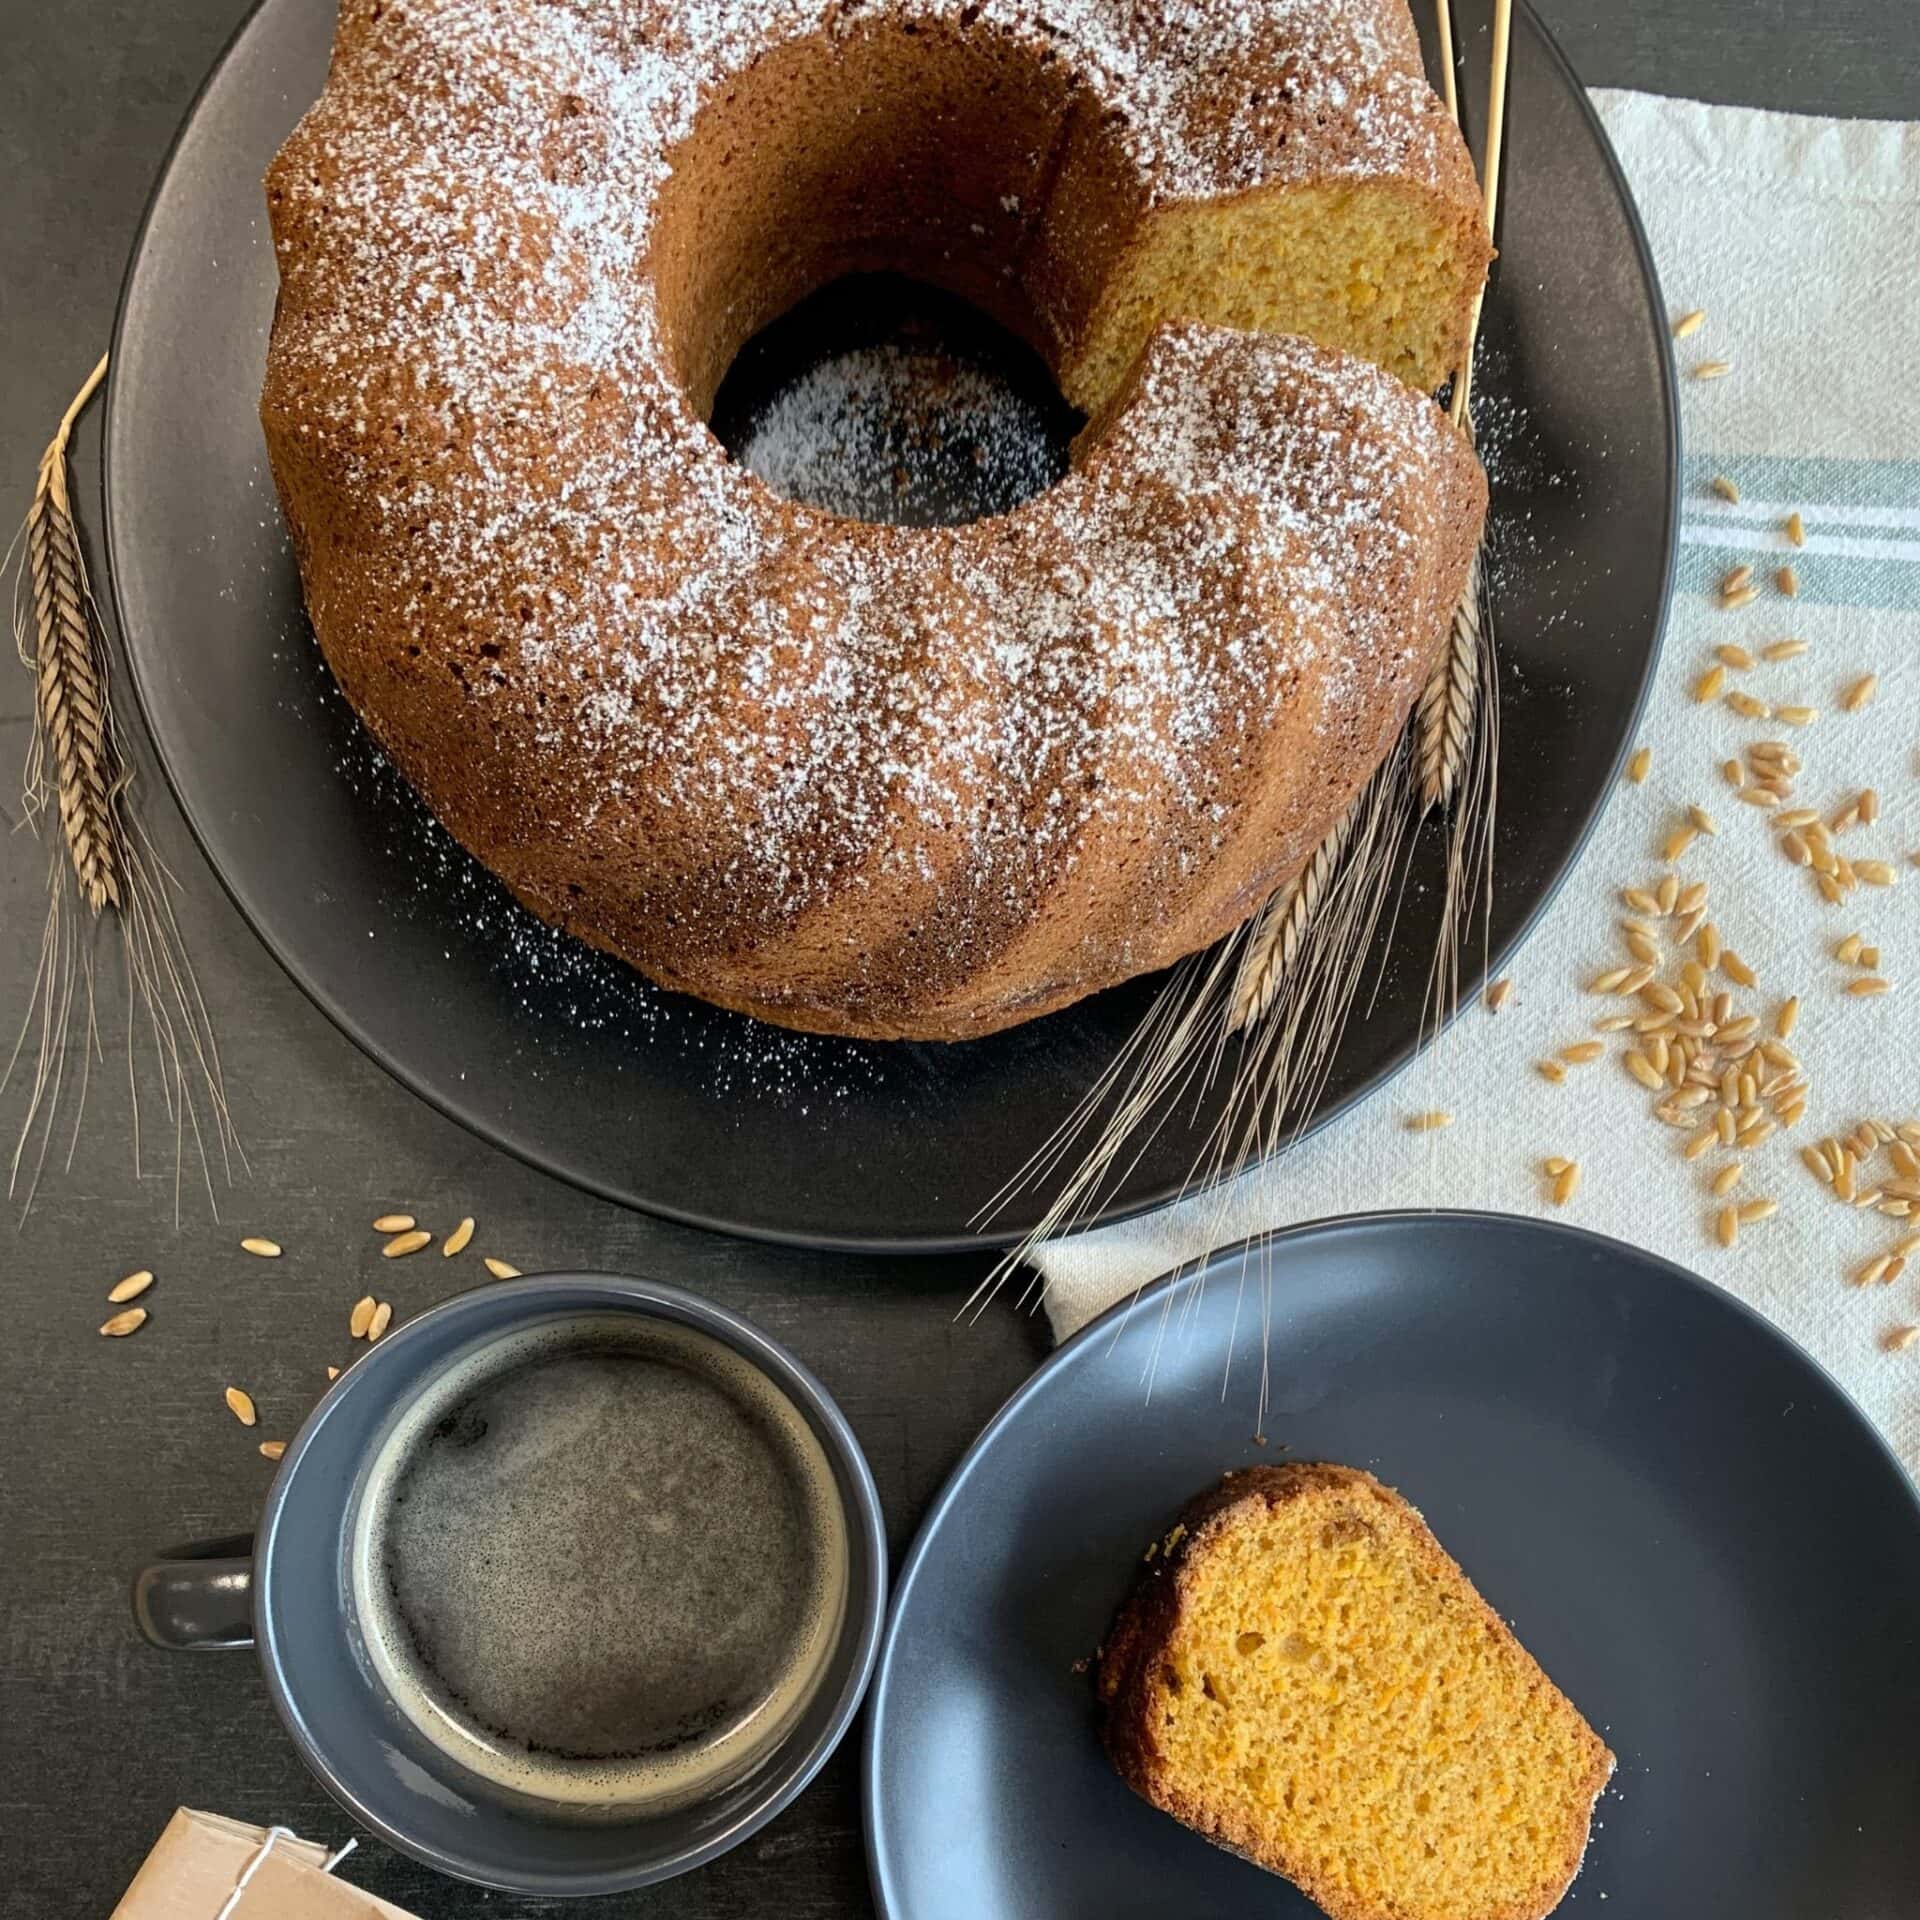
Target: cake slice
column 1304, row 1676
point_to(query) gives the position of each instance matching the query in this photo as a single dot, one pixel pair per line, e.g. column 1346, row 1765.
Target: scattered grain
column 500, row 1269
column 119, row 1325
column 1860, row 692
column 240, row 1405
column 273, row 1449
column 131, row 1288
column 456, row 1241
column 362, row 1313
column 1712, row 369
column 403, row 1244
column 381, row 1319
column 1868, row 985
column 1725, row 489
column 1708, row 686
column 264, row 1249
column 394, row 1223
column 1787, row 581
column 1638, row 765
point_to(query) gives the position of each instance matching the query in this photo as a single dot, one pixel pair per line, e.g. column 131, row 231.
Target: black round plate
column 1692, row 1528
column 569, row 1060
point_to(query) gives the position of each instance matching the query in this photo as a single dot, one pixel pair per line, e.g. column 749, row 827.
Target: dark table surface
column 108, row 1451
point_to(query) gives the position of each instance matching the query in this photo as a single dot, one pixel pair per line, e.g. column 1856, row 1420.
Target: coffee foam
column 601, row 1562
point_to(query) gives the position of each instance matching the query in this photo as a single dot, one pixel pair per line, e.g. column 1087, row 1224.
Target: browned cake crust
column 1131, row 1665
column 860, row 779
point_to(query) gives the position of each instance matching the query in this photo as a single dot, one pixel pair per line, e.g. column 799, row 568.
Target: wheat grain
column 1783, row 650
column 1787, row 581
column 1566, row 1183
column 1868, row 985
column 1709, row 684
column 500, row 1269
column 272, row 1449
column 1861, row 692
column 1796, row 530
column 131, row 1288
column 259, row 1248
column 403, row 1244
column 118, row 1326
column 381, row 1319
column 1712, row 369
column 456, row 1241
column 359, row 1318
column 1638, row 765
column 1725, row 489
column 394, row 1223
column 1727, row 1226
column 240, row 1405
column 1689, row 323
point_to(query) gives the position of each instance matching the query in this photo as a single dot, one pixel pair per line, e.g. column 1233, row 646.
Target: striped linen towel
column 1797, row 237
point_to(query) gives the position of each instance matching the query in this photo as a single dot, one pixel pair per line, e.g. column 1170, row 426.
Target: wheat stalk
column 75, row 770
column 1450, row 699
column 1286, row 983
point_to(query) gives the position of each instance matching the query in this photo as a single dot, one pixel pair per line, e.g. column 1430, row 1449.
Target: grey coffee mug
column 291, row 1598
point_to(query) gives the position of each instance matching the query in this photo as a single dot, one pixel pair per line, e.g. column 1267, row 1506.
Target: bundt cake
column 852, row 777
column 1304, row 1676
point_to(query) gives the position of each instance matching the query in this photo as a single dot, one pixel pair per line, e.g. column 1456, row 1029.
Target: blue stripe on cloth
column 1862, row 521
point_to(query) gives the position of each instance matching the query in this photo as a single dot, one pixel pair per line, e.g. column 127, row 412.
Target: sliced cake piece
column 1304, row 1676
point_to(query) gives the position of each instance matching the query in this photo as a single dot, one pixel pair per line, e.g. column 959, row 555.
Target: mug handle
column 198, row 1598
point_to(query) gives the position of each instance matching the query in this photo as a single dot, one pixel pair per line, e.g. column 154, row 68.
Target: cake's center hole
column 853, row 240
column 883, row 398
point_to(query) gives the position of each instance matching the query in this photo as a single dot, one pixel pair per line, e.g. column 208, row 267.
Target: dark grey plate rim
column 934, row 1240
column 1205, row 1266
column 865, row 1518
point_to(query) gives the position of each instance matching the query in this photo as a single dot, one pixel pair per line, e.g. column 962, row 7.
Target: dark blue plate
column 1687, row 1521
column 568, row 1059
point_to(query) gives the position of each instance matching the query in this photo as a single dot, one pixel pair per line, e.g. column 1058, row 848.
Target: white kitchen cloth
column 1801, row 240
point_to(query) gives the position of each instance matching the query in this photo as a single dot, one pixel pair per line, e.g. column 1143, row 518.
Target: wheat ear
column 102, row 858
column 1273, row 947
column 77, row 764
column 1448, row 700
column 1451, row 696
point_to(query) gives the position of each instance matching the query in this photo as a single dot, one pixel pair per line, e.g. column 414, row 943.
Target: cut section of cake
column 1304, row 1676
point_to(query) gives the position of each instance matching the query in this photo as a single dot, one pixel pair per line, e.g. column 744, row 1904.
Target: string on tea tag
column 271, row 1838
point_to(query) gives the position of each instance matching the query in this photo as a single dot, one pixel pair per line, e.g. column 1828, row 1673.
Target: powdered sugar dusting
column 656, row 696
